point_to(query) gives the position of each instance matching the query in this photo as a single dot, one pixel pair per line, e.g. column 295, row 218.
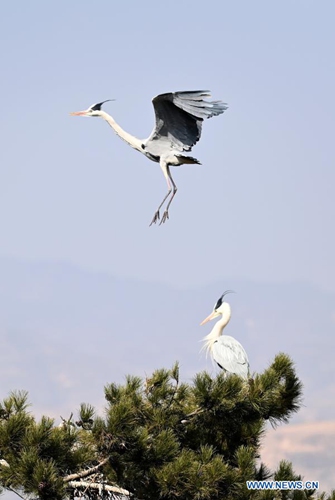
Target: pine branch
column 92, row 485
column 99, row 486
column 85, row 473
column 192, row 414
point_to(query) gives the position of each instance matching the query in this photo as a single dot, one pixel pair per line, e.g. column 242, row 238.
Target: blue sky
column 261, row 207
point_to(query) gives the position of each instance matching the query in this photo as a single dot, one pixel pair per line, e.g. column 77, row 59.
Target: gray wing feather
column 230, row 355
column 179, row 117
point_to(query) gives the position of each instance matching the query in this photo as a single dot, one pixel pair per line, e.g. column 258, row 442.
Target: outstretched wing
column 230, row 355
column 179, row 117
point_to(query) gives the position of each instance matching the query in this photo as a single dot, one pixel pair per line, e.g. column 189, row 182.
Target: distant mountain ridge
column 66, row 331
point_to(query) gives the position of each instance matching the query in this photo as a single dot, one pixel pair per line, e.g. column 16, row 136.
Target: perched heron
column 226, row 351
column 179, row 117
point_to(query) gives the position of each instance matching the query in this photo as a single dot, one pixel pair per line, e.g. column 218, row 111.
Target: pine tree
column 159, row 438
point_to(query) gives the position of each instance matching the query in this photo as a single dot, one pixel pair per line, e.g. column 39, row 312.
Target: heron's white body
column 226, row 351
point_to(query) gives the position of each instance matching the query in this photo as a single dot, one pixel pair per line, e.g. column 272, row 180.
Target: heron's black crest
column 97, row 107
column 219, row 302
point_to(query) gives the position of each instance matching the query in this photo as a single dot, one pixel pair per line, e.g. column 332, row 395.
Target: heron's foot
column 155, row 218
column 165, row 217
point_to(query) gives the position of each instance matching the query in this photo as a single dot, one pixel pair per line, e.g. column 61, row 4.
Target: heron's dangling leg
column 167, row 175
column 156, row 216
column 174, row 190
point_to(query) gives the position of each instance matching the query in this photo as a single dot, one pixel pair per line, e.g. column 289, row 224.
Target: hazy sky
column 261, row 205
column 260, row 208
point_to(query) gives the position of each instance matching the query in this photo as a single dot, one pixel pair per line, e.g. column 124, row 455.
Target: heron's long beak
column 211, row 316
column 78, row 113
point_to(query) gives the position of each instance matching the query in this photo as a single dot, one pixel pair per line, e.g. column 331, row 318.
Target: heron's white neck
column 216, row 331
column 130, row 139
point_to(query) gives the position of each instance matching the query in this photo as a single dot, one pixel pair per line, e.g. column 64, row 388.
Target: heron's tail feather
column 187, row 159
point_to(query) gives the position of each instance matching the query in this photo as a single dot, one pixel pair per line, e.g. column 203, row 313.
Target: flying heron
column 179, row 117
